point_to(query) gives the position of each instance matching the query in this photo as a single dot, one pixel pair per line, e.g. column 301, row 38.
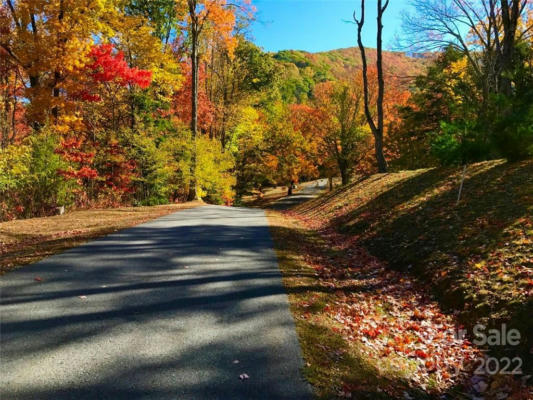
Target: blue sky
column 317, row 25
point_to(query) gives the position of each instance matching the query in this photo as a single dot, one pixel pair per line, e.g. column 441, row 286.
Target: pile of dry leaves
column 397, row 325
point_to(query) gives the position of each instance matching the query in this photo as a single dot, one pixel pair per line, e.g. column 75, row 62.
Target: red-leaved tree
column 182, row 101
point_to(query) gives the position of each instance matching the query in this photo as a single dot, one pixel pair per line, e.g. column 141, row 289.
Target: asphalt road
column 309, row 191
column 177, row 308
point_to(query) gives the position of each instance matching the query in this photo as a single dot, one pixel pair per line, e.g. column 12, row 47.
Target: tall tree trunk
column 344, row 177
column 5, row 113
column 132, row 110
column 36, row 122
column 343, row 168
column 377, row 128
column 55, row 91
column 382, row 163
column 378, row 147
column 14, row 114
column 193, row 190
column 57, row 74
column 510, row 15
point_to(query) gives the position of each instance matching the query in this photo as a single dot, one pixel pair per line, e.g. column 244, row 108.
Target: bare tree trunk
column 5, row 112
column 376, row 128
column 132, row 109
column 193, row 192
column 510, row 15
column 55, row 108
column 345, row 175
column 194, row 94
column 14, row 113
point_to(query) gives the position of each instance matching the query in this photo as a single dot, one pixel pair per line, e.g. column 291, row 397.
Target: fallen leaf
column 421, row 354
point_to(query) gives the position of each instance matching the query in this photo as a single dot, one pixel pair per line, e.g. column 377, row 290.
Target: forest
column 183, row 212
column 150, row 102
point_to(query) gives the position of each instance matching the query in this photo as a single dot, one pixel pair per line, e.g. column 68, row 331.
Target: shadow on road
column 177, row 308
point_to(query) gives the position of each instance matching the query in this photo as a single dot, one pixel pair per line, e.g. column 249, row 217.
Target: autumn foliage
column 181, row 103
column 108, row 66
column 112, row 103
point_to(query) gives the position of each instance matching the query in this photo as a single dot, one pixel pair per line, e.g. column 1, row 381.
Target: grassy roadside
column 333, row 367
column 365, row 332
column 265, row 198
column 370, row 333
column 475, row 256
column 29, row 240
column 381, row 274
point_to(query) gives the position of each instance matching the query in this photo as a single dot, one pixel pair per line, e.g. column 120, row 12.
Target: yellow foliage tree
column 49, row 41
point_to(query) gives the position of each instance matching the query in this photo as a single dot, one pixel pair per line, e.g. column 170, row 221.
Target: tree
column 94, row 149
column 138, row 38
column 248, row 147
column 48, row 41
column 161, row 14
column 12, row 111
column 235, row 82
column 486, row 31
column 181, row 103
column 376, row 127
column 202, row 15
column 334, row 127
column 347, row 140
column 462, row 109
column 109, row 77
column 288, row 156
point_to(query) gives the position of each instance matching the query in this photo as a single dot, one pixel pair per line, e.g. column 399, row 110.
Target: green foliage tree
column 449, row 121
column 29, row 182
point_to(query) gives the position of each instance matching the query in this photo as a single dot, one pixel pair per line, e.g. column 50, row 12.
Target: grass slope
column 334, row 367
column 476, row 257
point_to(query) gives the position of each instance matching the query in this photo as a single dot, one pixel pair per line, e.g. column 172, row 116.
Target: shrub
column 213, row 172
column 163, row 165
column 29, row 183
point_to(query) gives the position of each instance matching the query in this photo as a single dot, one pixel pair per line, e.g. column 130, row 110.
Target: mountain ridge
column 301, row 70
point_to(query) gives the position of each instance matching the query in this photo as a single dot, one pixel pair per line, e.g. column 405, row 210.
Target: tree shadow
column 468, row 253
column 334, row 364
column 161, row 310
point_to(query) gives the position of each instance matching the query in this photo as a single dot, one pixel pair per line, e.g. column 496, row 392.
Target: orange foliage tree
column 181, row 104
column 199, row 17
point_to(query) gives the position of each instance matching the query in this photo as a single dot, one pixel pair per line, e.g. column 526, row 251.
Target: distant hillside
column 301, row 70
column 349, row 60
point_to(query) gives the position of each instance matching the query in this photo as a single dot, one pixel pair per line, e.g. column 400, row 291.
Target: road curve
column 177, row 308
column 309, row 191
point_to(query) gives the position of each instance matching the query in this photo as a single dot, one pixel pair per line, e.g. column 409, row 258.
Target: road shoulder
column 27, row 241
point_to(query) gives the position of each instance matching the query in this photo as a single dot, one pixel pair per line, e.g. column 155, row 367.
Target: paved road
column 160, row 311
column 310, row 191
